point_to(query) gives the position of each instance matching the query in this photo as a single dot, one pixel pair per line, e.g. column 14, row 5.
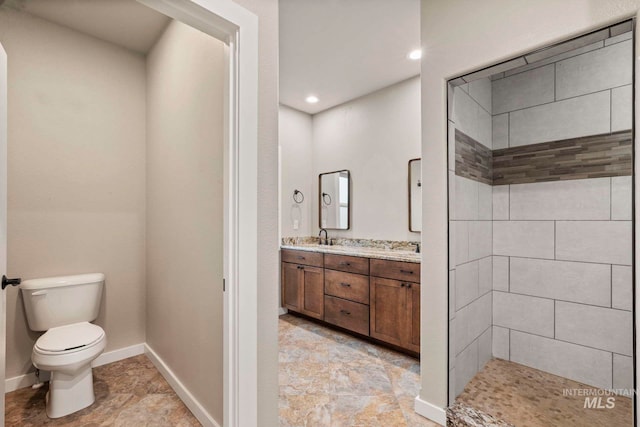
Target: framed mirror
column 335, row 200
column 415, row 195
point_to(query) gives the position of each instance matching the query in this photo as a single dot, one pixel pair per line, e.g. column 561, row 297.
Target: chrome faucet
column 417, row 245
column 326, row 237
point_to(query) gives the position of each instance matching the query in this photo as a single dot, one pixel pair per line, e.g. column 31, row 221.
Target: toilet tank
column 57, row 301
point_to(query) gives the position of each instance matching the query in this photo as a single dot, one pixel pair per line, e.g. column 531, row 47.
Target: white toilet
column 64, row 306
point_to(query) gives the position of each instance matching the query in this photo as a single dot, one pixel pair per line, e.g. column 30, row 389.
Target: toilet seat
column 69, row 339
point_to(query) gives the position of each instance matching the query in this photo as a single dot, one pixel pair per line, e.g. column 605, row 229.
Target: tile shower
column 540, row 208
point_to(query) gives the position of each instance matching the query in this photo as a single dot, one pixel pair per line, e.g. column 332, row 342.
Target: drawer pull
column 348, row 285
column 345, row 312
column 301, row 257
column 406, row 271
column 345, row 264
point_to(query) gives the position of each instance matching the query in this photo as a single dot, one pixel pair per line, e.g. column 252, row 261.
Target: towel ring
column 326, row 196
column 298, row 197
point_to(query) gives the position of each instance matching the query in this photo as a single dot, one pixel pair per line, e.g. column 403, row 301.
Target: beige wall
column 494, row 31
column 76, row 173
column 268, row 257
column 185, row 209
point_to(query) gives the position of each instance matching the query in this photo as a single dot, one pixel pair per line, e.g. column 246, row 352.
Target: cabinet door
column 389, row 310
column 291, row 286
column 312, row 292
column 413, row 343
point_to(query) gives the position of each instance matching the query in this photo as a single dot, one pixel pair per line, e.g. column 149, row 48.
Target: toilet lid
column 69, row 337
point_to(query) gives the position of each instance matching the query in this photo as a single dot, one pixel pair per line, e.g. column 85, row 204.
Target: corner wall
column 76, row 148
column 185, row 92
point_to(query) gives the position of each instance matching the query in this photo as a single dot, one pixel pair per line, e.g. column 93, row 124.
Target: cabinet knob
column 300, row 267
column 408, row 285
column 402, row 285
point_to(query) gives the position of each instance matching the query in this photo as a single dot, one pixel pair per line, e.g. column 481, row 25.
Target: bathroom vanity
column 370, row 292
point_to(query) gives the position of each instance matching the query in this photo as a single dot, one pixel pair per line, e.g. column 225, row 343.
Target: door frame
column 237, row 28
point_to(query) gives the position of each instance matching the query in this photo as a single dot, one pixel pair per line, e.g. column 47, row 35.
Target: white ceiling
column 126, row 23
column 339, row 50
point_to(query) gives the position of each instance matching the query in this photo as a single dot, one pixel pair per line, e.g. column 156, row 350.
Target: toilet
column 64, row 307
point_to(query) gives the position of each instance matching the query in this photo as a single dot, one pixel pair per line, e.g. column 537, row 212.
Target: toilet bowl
column 63, row 307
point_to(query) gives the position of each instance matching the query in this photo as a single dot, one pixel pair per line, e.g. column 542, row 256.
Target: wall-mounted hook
column 298, row 197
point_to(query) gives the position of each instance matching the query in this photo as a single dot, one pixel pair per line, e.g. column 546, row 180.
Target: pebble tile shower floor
column 130, row 392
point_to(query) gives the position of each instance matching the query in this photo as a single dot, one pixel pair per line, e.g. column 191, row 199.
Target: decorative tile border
column 473, row 160
column 595, row 156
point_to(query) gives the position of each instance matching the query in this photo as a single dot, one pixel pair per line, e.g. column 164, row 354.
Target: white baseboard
column 29, row 379
column 194, row 406
column 282, row 311
column 119, row 354
column 430, row 411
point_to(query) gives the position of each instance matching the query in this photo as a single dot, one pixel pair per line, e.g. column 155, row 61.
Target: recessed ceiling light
column 312, row 99
column 415, row 54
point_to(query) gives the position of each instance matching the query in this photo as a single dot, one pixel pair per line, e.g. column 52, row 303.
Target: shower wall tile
column 485, row 130
column 622, row 372
column 523, row 313
column 500, row 131
column 621, row 108
column 571, row 118
column 471, row 321
column 484, row 348
column 500, row 202
column 485, row 201
column 523, row 90
column 595, row 71
column 602, row 328
column 583, row 199
column 461, row 237
column 552, row 59
column 501, row 273
column 470, row 118
column 534, row 239
column 607, row 242
column 500, row 342
column 452, row 338
column 619, row 38
column 466, row 197
column 480, row 239
column 466, row 366
column 583, row 364
column 480, row 90
column 621, row 197
column 569, row 281
column 466, row 287
column 452, row 194
column 621, row 287
column 485, row 275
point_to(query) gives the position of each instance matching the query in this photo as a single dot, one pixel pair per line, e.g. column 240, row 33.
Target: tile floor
column 524, row 396
column 130, row 392
column 328, row 378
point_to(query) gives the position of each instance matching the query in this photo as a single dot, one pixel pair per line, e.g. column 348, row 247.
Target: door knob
column 13, row 282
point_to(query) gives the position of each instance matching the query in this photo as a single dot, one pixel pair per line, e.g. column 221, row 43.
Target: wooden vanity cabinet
column 303, row 283
column 395, row 304
column 372, row 297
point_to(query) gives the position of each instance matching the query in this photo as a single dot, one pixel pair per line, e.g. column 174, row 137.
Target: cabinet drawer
column 347, row 314
column 350, row 264
column 408, row 271
column 354, row 287
column 314, row 259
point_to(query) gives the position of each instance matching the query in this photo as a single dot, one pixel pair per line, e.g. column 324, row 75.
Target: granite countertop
column 366, row 252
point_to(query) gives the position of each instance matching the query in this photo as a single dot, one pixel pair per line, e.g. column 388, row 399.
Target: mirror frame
column 320, row 200
column 409, row 192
